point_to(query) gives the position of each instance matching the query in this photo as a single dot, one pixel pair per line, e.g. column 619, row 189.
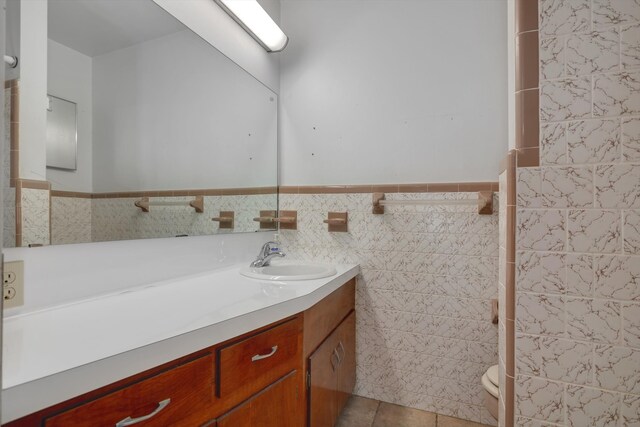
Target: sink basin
column 292, row 271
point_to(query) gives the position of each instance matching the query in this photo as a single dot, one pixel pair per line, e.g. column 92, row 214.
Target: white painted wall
column 211, row 125
column 12, row 36
column 393, row 91
column 33, row 88
column 209, row 21
column 69, row 77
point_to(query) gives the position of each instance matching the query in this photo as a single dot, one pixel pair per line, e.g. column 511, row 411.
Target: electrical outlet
column 13, row 284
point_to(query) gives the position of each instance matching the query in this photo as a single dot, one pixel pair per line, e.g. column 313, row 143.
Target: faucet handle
column 268, row 248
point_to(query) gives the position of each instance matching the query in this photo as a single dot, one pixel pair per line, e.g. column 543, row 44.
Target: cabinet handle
column 130, row 421
column 264, row 356
column 331, row 359
column 335, row 351
column 341, row 347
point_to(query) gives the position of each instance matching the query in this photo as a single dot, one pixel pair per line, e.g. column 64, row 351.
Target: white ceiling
column 96, row 27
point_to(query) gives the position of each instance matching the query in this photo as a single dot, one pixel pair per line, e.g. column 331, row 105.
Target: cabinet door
column 275, row 406
column 323, row 375
column 347, row 363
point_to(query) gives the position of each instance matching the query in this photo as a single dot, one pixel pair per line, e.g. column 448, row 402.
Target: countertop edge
column 33, row 396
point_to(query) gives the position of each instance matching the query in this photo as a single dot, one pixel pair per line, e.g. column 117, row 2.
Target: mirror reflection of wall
column 162, row 117
column 62, row 133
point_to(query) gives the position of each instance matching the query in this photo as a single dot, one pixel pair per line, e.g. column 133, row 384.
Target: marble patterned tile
column 631, row 139
column 552, row 58
column 617, row 186
column 70, row 220
column 617, row 277
column 592, row 407
column 630, row 411
column 593, row 320
column 588, row 53
column 542, row 230
column 528, row 354
column 611, row 12
column 553, row 144
column 566, row 360
column 423, row 301
column 630, row 46
column 538, row 398
column 541, row 272
column 593, row 141
column 529, row 185
column 540, row 314
column 631, row 324
column 528, row 422
column 594, row 231
column 567, row 187
column 631, row 232
column 616, row 94
column 35, row 217
column 580, row 275
column 564, row 16
column 568, row 99
column 617, row 368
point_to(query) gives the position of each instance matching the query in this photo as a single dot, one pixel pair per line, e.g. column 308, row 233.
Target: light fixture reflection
column 257, row 22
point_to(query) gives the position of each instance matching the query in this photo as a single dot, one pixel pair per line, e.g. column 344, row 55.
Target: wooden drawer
column 250, row 365
column 273, row 407
column 189, row 388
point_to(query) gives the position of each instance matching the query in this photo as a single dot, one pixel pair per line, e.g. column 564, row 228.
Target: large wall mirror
column 173, row 138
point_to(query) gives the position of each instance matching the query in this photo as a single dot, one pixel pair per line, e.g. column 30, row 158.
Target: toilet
column 490, row 385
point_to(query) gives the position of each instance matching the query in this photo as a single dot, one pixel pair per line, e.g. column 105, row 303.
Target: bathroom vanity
column 296, row 368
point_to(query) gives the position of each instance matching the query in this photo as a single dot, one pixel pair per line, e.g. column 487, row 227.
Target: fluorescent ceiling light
column 257, row 22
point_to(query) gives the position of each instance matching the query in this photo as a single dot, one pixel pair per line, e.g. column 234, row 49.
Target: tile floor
column 363, row 412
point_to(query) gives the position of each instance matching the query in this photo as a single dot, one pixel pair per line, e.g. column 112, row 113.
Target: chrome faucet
column 269, row 251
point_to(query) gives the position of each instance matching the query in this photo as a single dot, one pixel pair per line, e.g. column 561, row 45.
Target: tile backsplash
column 578, row 252
column 424, row 331
column 82, row 220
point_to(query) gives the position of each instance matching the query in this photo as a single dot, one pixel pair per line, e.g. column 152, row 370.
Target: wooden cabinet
column 331, row 374
column 250, row 365
column 257, row 380
column 274, row 406
column 181, row 395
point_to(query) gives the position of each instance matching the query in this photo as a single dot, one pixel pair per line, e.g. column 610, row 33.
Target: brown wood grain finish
column 323, row 407
column 332, row 373
column 347, row 367
column 327, row 314
column 272, row 407
column 189, row 386
column 250, row 365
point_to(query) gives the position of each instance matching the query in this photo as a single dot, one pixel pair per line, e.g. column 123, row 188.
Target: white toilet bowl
column 490, row 385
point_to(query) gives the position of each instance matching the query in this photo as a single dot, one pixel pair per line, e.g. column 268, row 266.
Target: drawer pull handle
column 264, row 356
column 334, row 361
column 341, row 348
column 338, row 357
column 130, row 421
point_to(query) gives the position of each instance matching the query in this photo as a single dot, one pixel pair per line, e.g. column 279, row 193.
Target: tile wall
column 8, row 193
column 34, row 208
column 578, row 225
column 424, row 335
column 70, row 220
column 77, row 219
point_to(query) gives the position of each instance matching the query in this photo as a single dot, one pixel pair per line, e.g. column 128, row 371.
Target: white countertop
column 58, row 353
